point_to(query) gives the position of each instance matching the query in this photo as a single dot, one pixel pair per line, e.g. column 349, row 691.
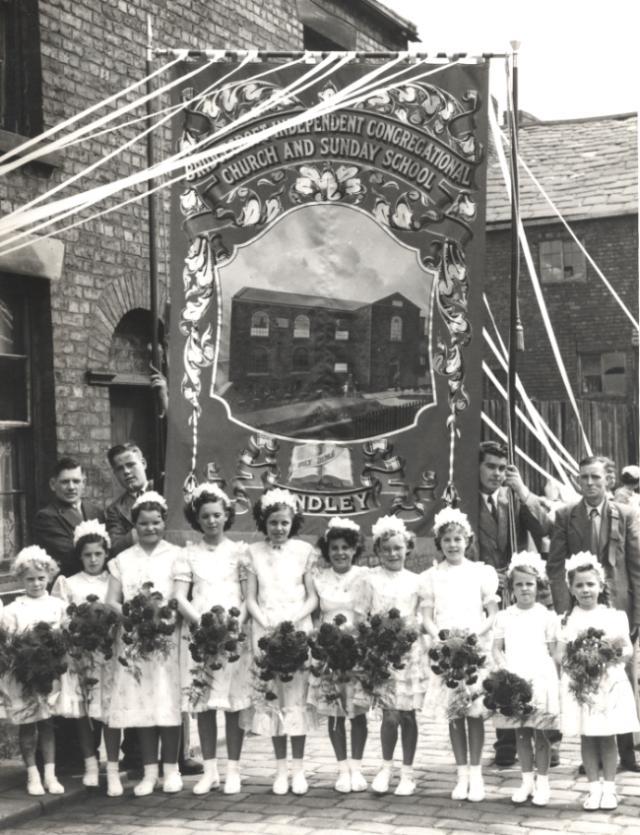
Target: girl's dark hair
column 354, row 539
column 192, row 508
column 261, row 515
column 443, row 530
column 136, row 510
column 604, row 597
column 542, row 584
column 86, row 540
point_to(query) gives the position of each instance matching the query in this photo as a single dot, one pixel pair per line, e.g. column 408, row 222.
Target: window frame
column 568, row 247
column 588, row 357
column 395, row 329
column 259, row 332
column 21, row 111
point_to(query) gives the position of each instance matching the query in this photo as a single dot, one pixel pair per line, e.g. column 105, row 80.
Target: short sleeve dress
column 155, row 700
column 383, row 590
column 458, row 595
column 215, row 573
column 338, row 595
column 528, row 635
column 65, row 698
column 281, row 595
column 76, row 589
column 612, row 710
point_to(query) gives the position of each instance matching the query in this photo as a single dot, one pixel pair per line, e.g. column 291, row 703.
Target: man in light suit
column 498, row 482
column 54, row 524
column 611, row 531
column 130, row 469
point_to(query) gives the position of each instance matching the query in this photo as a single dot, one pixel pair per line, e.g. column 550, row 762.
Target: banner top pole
column 269, row 55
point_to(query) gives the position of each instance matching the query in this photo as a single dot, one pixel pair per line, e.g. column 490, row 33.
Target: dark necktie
column 492, row 507
column 594, row 545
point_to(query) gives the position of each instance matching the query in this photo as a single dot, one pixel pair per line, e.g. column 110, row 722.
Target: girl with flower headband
column 214, row 569
column 391, row 586
column 611, row 710
column 152, row 703
column 35, row 569
column 91, row 544
column 457, row 593
column 280, row 588
column 523, row 643
column 338, row 586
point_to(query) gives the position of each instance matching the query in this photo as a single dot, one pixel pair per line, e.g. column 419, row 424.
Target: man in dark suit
column 611, row 531
column 54, row 524
column 500, row 482
column 130, row 469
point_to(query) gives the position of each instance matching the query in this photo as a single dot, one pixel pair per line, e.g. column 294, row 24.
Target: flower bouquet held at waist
column 148, row 624
column 215, row 641
column 510, row 696
column 456, row 658
column 384, row 641
column 335, row 652
column 587, row 660
column 284, row 652
column 90, row 634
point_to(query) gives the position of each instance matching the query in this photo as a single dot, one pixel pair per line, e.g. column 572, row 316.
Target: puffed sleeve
column 61, row 589
column 499, row 626
column 249, row 565
column 8, row 619
column 60, row 611
column 115, row 569
column 551, row 627
column 489, row 583
column 311, row 563
column 242, row 557
column 425, row 588
column 362, row 594
column 181, row 569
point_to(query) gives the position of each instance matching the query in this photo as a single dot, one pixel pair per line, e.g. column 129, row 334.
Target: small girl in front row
column 337, row 586
column 458, row 592
column 91, row 550
column 612, row 709
column 390, row 585
column 280, row 588
column 215, row 570
column 35, row 569
column 523, row 643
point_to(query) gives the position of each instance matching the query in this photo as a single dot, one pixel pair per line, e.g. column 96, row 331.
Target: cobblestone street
column 430, row 810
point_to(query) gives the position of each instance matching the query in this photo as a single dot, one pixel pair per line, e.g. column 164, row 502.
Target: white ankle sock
column 168, row 768
column 355, row 765
column 233, row 767
column 407, row 771
column 281, row 767
column 297, row 766
column 475, row 771
column 33, row 775
column 343, row 767
column 49, row 771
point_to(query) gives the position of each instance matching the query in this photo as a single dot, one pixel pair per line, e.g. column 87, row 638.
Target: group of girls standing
column 284, row 578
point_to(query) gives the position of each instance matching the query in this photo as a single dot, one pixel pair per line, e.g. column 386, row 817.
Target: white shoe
column 608, row 800
column 592, row 800
column 380, row 783
column 461, row 788
column 343, row 783
column 232, row 783
column 299, row 783
column 476, row 788
column 405, row 787
column 145, row 787
column 281, row 784
column 53, row 786
column 542, row 793
column 206, row 783
column 90, row 779
column 35, row 787
column 522, row 793
column 172, row 783
column 358, row 782
column 114, row 785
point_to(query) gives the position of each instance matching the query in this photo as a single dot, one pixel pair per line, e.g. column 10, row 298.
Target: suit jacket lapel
column 503, row 521
column 580, row 526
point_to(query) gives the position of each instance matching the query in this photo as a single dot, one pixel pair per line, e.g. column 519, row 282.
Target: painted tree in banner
column 322, row 380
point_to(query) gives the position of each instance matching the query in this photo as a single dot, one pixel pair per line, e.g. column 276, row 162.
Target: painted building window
column 300, row 359
column 603, row 373
column 562, row 261
column 259, row 361
column 259, row 324
column 301, row 327
column 342, row 330
column 396, row 329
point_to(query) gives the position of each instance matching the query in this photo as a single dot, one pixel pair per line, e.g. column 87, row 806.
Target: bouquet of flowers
column 509, row 695
column 214, row 641
column 148, row 623
column 383, row 643
column 90, row 634
column 37, row 660
column 284, row 652
column 336, row 652
column 456, row 658
column 586, row 661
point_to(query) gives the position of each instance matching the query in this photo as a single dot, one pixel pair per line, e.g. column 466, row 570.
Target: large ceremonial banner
column 326, row 290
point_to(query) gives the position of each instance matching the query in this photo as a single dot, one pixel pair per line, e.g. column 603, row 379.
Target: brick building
column 75, row 321
column 589, row 168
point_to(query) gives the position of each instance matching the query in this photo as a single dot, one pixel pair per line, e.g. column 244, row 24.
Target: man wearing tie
column 130, row 470
column 611, row 531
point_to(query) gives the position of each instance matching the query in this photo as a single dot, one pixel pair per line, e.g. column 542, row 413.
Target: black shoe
column 555, row 760
column 628, row 765
column 581, row 769
column 504, row 761
column 191, row 766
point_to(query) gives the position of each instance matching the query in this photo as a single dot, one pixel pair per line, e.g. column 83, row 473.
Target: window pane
column 614, row 373
column 551, row 267
column 11, row 500
column 259, row 324
column 10, row 326
column 301, row 327
column 574, row 261
column 13, row 388
column 396, row 329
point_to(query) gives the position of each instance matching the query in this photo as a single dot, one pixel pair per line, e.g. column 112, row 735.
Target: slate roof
column 588, row 167
column 264, row 296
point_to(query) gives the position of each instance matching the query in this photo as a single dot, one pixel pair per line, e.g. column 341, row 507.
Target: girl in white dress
column 612, row 709
column 151, row 705
column 337, row 585
column 35, row 569
column 280, row 588
column 524, row 643
column 91, row 548
column 458, row 592
column 391, row 586
column 215, row 571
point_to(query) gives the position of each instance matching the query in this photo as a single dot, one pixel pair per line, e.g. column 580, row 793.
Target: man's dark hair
column 118, row 449
column 66, row 463
column 492, row 448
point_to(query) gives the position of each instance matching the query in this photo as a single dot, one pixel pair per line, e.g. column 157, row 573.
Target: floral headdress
column 212, row 488
column 279, row 496
column 527, row 559
column 151, row 496
column 584, row 559
column 91, row 527
column 451, row 516
column 388, row 525
column 33, row 554
column 342, row 524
